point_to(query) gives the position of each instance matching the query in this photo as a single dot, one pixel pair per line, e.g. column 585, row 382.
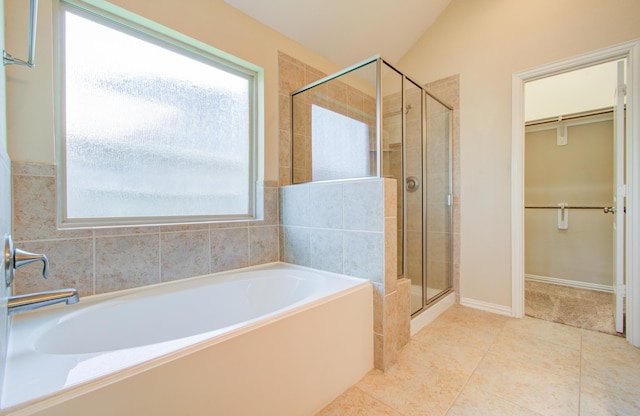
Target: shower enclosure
column 371, row 120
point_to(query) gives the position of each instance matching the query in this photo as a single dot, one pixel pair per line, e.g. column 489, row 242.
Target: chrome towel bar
column 9, row 59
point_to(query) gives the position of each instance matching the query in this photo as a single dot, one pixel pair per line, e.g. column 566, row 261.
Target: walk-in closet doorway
column 573, row 123
column 622, row 205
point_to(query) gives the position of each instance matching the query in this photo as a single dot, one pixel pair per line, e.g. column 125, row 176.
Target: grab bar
column 9, row 59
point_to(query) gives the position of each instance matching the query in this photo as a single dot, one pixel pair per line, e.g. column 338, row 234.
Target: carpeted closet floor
column 582, row 308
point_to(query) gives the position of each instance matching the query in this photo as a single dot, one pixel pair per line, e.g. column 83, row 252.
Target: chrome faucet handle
column 16, row 258
column 22, row 258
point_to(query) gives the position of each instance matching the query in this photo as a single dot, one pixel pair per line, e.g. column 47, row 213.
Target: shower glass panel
column 438, row 198
column 372, row 120
column 392, row 151
column 413, row 193
column 334, row 128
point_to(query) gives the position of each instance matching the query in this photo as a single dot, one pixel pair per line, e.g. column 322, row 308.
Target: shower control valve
column 412, row 184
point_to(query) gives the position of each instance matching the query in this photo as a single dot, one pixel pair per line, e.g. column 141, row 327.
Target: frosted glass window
column 151, row 131
column 339, row 145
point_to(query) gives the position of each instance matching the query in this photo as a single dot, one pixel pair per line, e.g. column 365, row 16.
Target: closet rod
column 568, row 117
column 567, row 207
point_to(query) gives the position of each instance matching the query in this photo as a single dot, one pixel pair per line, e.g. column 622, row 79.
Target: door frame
column 631, row 51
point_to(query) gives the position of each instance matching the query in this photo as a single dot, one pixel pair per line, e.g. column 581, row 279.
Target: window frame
column 131, row 24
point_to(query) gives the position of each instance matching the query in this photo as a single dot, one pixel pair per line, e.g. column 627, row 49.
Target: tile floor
column 470, row 362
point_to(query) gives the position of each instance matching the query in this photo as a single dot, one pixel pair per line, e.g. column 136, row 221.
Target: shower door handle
column 412, row 184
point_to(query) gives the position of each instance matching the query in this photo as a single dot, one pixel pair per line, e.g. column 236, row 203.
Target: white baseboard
column 486, row 306
column 571, row 283
column 429, row 315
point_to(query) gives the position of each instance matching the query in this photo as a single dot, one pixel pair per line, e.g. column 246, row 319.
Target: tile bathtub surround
column 349, row 210
column 99, row 260
column 470, row 362
column 349, row 227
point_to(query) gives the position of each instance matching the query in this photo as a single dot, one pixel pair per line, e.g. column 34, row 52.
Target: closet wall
column 579, row 173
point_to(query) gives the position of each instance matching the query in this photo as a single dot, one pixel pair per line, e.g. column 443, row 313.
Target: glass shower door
column 438, row 201
column 416, row 153
column 413, row 183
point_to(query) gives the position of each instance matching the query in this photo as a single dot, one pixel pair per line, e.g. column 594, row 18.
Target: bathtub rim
column 43, row 402
column 223, row 276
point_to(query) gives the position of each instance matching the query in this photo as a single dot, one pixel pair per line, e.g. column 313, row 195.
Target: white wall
column 573, row 92
column 486, row 42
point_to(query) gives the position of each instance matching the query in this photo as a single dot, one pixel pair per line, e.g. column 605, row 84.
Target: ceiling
column 348, row 31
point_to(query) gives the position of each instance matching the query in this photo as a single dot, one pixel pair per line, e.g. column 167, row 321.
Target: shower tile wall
column 350, row 227
column 338, row 227
column 392, row 168
column 293, row 74
column 335, row 95
column 392, row 162
column 392, row 165
column 109, row 259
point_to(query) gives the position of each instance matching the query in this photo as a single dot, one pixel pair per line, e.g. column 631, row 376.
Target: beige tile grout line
column 476, row 367
column 159, row 257
column 461, row 389
column 582, row 331
column 377, row 399
column 209, row 249
column 93, row 261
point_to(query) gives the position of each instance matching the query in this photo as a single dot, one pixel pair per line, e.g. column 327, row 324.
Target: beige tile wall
column 108, row 259
column 340, row 98
column 334, row 95
column 293, row 74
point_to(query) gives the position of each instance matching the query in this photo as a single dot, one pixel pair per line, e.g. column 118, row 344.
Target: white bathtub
column 276, row 339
